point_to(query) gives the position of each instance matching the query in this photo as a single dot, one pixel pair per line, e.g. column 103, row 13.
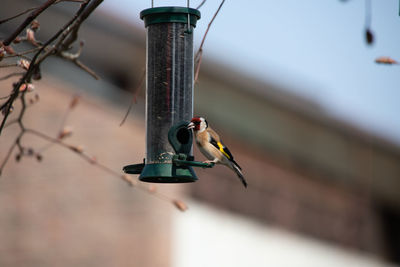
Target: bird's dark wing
column 217, row 142
column 221, row 147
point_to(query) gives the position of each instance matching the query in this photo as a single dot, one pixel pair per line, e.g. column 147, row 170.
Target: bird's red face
column 197, row 124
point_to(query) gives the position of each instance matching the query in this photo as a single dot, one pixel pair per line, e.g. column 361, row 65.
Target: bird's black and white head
column 198, row 124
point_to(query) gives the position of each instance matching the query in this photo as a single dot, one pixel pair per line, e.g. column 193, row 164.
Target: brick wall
column 63, row 211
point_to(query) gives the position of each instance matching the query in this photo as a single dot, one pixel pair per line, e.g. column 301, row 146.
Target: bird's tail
column 239, row 173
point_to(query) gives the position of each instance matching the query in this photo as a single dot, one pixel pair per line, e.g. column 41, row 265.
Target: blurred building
column 320, row 191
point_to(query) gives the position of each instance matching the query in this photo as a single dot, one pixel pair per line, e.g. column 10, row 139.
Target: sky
column 312, row 48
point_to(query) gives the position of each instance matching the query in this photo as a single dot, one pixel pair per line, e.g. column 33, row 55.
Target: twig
column 86, row 68
column 11, row 75
column 199, row 53
column 71, row 106
column 10, row 123
column 33, row 8
column 24, row 52
column 4, row 97
column 17, row 141
column 201, row 4
column 75, row 1
column 63, row 33
column 75, row 28
column 27, row 21
column 18, row 15
column 3, row 164
column 33, row 65
column 90, row 159
column 134, row 97
column 9, row 65
column 75, row 59
column 66, row 36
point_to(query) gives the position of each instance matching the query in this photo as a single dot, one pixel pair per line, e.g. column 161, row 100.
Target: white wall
column 205, row 237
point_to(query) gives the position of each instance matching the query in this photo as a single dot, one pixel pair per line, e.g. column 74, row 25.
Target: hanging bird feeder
column 169, row 96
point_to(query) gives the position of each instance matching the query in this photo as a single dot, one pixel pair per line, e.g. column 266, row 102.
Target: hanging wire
column 188, row 15
column 188, row 6
column 189, row 30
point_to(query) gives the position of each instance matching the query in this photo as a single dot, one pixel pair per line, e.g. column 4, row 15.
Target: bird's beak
column 190, row 126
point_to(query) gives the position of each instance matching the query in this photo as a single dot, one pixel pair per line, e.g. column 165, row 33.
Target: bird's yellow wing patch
column 221, row 148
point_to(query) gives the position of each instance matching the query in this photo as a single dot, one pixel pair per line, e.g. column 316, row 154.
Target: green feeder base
column 180, row 169
column 167, row 173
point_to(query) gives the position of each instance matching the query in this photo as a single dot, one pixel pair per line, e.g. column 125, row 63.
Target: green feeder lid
column 169, row 14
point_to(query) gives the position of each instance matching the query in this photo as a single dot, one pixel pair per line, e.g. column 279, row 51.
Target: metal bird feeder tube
column 169, row 94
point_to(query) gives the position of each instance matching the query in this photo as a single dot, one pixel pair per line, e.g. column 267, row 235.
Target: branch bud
column 24, row 63
column 9, row 50
column 3, row 110
column 30, row 152
column 152, row 189
column 30, row 36
column 74, row 102
column 180, row 205
column 386, row 60
column 17, row 40
column 29, row 87
column 129, row 180
column 93, row 160
column 66, row 132
column 35, row 25
column 77, row 149
column 39, row 157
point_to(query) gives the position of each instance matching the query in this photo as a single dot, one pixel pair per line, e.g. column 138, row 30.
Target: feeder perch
column 169, row 96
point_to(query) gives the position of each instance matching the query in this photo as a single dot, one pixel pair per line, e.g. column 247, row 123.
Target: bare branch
column 28, row 20
column 24, row 52
column 61, row 135
column 63, row 33
column 86, row 68
column 199, row 53
column 201, row 4
column 33, row 8
column 17, row 142
column 3, row 164
column 34, row 65
column 134, row 97
column 56, row 45
column 9, row 65
column 4, row 97
column 75, row 28
column 11, row 75
column 10, row 123
column 74, row 1
column 92, row 160
column 74, row 58
column 17, row 15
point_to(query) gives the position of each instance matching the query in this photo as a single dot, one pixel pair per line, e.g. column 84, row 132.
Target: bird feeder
column 169, row 96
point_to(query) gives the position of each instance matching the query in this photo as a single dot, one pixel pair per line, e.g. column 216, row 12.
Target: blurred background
column 293, row 89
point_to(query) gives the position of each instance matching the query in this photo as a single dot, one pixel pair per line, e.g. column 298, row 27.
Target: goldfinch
column 211, row 146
